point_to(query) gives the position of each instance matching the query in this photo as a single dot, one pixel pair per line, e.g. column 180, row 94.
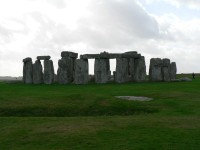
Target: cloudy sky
column 154, row 28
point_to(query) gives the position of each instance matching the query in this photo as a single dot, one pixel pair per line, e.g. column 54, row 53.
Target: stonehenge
column 33, row 73
column 130, row 67
column 162, row 70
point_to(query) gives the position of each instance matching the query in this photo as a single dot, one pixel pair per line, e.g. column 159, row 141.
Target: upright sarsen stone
column 131, row 68
column 166, row 69
column 155, row 70
column 139, row 69
column 28, row 71
column 48, row 72
column 102, row 70
column 37, row 72
column 65, row 70
column 173, row 71
column 81, row 71
column 121, row 74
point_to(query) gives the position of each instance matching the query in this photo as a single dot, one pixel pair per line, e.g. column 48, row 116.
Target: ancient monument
column 130, row 67
column 33, row 73
column 162, row 70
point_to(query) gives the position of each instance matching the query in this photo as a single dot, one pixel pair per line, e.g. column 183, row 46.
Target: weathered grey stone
column 185, row 79
column 173, row 71
column 121, row 74
column 106, row 55
column 48, row 72
column 37, row 72
column 65, row 70
column 102, row 70
column 69, row 54
column 131, row 52
column 131, row 68
column 139, row 69
column 166, row 69
column 27, row 59
column 81, row 71
column 155, row 69
column 28, row 71
column 43, row 57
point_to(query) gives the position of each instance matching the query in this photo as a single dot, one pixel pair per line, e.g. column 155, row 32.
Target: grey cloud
column 113, row 23
column 58, row 3
column 5, row 35
column 187, row 2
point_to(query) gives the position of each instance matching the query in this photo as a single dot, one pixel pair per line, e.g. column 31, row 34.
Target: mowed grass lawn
column 62, row 117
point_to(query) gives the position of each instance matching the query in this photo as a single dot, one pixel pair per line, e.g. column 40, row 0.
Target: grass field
column 62, row 117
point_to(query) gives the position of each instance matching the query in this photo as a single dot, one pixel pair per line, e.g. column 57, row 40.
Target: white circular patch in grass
column 135, row 98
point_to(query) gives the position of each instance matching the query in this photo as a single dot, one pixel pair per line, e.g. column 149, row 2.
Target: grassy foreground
column 59, row 117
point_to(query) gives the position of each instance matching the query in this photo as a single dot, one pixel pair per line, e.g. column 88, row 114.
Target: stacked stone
column 33, row 73
column 28, row 71
column 81, row 71
column 162, row 70
column 48, row 76
column 131, row 67
column 66, row 70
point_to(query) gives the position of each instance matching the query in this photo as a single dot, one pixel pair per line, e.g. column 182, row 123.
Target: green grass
column 59, row 117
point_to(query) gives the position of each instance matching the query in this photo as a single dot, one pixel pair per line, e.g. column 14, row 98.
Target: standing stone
column 155, row 69
column 81, row 71
column 102, row 70
column 28, row 71
column 37, row 72
column 139, row 69
column 166, row 69
column 173, row 71
column 65, row 70
column 131, row 68
column 121, row 74
column 48, row 72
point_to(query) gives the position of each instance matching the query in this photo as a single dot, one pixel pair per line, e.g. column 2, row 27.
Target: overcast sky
column 154, row 28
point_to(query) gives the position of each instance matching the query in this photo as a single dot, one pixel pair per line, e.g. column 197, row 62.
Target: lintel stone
column 43, row 57
column 106, row 55
column 69, row 54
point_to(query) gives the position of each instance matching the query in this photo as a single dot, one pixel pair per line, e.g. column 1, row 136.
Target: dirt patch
column 135, row 98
